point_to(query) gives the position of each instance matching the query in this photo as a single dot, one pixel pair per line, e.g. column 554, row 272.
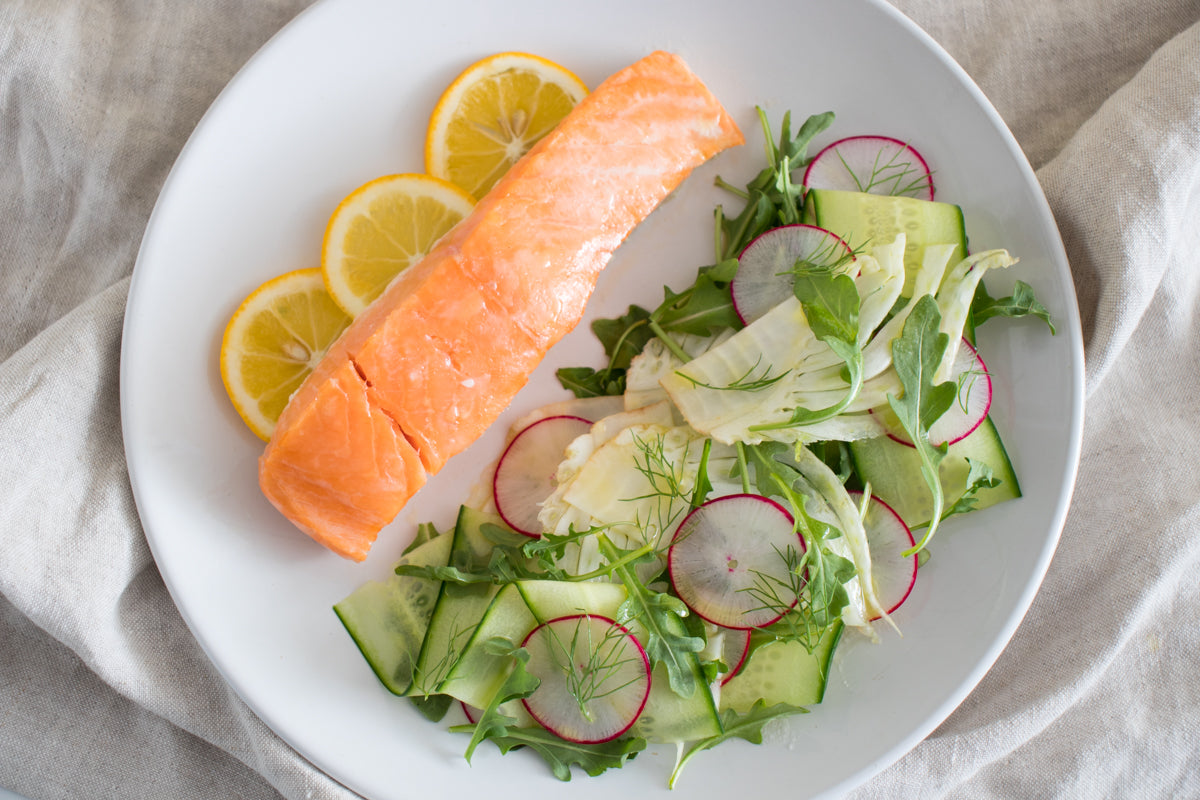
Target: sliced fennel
column 852, row 542
column 635, row 484
column 695, row 405
column 807, row 372
column 954, row 299
column 642, row 387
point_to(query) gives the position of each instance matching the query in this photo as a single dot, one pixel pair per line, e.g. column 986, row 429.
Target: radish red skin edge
column 873, row 164
column 762, row 280
column 524, row 475
column 537, row 706
column 742, row 636
column 716, row 564
column 887, row 538
column 958, row 422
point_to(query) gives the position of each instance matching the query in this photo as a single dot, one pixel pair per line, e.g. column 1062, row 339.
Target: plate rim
column 1071, row 327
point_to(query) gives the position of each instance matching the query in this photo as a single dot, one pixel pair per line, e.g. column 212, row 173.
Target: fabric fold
column 1124, row 192
column 76, row 565
column 105, row 693
column 1109, row 635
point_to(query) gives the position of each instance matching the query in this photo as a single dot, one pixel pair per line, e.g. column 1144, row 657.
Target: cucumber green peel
column 673, row 638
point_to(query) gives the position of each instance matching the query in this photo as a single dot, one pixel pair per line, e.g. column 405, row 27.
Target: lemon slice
column 273, row 341
column 493, row 113
column 383, row 227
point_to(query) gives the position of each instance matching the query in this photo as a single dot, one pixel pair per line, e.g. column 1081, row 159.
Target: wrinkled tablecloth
column 104, row 692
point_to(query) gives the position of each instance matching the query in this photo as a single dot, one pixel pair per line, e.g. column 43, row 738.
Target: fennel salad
column 673, row 554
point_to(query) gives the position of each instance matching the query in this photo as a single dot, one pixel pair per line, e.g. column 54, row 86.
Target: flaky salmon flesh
column 424, row 371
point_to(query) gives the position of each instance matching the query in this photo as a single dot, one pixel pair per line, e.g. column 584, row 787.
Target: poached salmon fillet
column 439, row 355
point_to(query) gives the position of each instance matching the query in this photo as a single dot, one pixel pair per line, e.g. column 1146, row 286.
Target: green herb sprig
column 748, row 726
column 771, row 199
column 821, row 573
column 831, row 306
column 916, row 355
column 702, row 309
column 492, row 722
column 661, row 615
column 560, row 755
column 1022, row 302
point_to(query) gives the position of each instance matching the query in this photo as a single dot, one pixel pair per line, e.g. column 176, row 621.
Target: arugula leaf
column 549, row 548
column 425, row 532
column 820, row 574
column 713, row 669
column 771, row 199
column 589, row 382
column 789, row 154
column 828, row 574
column 916, row 354
column 507, row 566
column 623, row 337
column 502, row 535
column 506, row 562
column 748, row 726
column 667, row 641
column 826, row 597
column 446, row 573
column 813, row 127
column 432, row 706
column 513, row 557
column 979, row 477
column 1020, row 303
column 561, row 755
column 703, row 486
column 831, row 305
column 836, row 455
column 519, row 683
column 530, row 559
column 702, row 309
column 734, row 233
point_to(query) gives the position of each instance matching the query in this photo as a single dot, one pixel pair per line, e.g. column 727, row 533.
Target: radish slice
column 892, row 573
column 763, row 278
column 872, row 164
column 734, row 649
column 969, row 410
column 731, row 561
column 525, row 475
column 595, row 678
column 589, row 408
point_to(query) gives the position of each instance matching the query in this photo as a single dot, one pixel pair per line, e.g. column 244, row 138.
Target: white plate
column 342, row 96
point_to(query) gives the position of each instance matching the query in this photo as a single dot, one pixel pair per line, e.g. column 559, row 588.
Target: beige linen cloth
column 103, row 691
